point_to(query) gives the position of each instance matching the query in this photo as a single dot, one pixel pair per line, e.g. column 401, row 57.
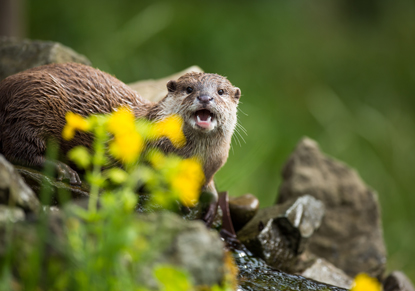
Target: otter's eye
column 189, row 90
column 220, row 92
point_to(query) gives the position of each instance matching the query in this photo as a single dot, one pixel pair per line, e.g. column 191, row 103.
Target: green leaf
column 172, row 279
column 80, row 156
column 95, row 179
column 116, row 175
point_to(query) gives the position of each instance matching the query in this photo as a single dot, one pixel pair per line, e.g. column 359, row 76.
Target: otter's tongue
column 203, row 118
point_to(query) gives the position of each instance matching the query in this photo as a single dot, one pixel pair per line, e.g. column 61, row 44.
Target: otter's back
column 33, row 105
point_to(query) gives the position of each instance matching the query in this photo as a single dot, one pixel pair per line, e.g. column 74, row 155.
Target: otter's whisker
column 240, row 110
column 240, row 127
column 240, row 135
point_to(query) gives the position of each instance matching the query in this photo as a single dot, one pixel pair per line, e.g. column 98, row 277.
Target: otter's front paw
column 65, row 172
column 209, row 204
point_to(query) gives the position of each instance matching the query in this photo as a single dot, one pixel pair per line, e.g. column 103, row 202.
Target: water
column 256, row 275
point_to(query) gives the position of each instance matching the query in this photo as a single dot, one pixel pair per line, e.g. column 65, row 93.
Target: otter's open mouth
column 204, row 118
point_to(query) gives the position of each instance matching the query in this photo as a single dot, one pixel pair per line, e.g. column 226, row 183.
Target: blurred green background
column 341, row 72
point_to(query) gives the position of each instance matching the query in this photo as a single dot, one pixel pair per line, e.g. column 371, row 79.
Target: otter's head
column 206, row 102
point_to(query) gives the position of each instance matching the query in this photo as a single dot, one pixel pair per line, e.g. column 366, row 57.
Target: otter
column 33, row 105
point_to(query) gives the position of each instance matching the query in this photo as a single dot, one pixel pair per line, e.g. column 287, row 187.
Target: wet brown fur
column 33, row 105
column 211, row 147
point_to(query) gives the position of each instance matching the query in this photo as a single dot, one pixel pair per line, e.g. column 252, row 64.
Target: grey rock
column 11, row 214
column 25, row 236
column 350, row 236
column 13, row 190
column 257, row 223
column 187, row 245
column 50, row 208
column 242, row 209
column 278, row 234
column 190, row 246
column 58, row 191
column 155, row 90
column 276, row 249
column 19, row 55
column 325, row 272
column 256, row 275
column 299, row 222
column 397, row 281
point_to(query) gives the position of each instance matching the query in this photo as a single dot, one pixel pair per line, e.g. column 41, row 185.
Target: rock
column 190, row 246
column 397, row 281
column 242, row 209
column 25, row 237
column 19, row 55
column 256, row 275
column 155, row 90
column 350, row 236
column 13, row 190
column 263, row 238
column 278, row 234
column 325, row 272
column 50, row 208
column 11, row 214
column 59, row 191
column 167, row 239
column 300, row 221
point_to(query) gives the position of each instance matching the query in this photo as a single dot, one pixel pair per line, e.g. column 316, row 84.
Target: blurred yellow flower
column 363, row 282
column 157, row 159
column 127, row 147
column 121, row 121
column 127, row 144
column 171, row 127
column 187, row 181
column 185, row 177
column 74, row 122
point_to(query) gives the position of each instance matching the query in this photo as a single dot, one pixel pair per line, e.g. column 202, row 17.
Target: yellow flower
column 185, row 177
column 127, row 147
column 171, row 127
column 74, row 122
column 363, row 282
column 121, row 121
column 157, row 159
column 127, row 144
column 187, row 181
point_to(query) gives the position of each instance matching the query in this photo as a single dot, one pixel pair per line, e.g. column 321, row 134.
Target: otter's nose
column 205, row 98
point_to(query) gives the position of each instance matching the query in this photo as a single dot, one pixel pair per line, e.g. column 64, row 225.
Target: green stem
column 93, row 194
column 97, row 161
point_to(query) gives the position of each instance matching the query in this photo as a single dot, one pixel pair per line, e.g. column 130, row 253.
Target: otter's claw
column 65, row 172
column 210, row 213
column 208, row 202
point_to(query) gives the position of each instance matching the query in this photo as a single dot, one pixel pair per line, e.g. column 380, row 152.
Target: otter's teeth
column 208, row 120
column 204, row 120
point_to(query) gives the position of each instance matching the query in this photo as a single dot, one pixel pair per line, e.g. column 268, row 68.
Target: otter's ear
column 237, row 93
column 171, row 86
